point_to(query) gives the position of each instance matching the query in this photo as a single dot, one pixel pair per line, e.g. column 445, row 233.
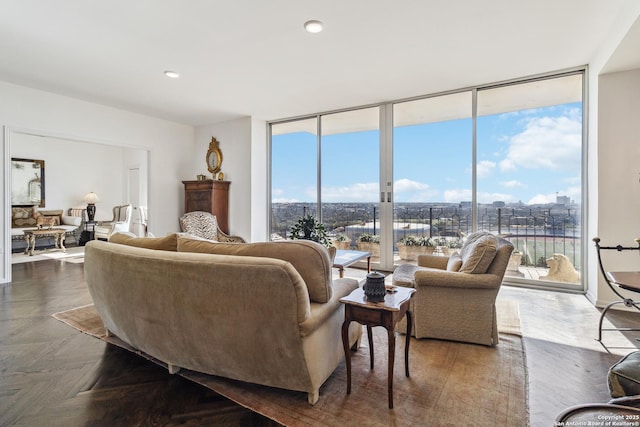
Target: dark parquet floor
column 52, row 375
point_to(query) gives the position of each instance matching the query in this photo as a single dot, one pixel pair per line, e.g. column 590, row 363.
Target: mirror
column 214, row 157
column 27, row 182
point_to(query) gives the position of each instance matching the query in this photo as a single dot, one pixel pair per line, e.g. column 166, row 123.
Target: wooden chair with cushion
column 455, row 296
column 205, row 225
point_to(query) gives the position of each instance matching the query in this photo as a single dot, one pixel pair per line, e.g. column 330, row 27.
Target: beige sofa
column 265, row 313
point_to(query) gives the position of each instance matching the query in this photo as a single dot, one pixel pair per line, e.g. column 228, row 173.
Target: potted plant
column 309, row 228
column 341, row 241
column 410, row 247
column 369, row 243
column 450, row 246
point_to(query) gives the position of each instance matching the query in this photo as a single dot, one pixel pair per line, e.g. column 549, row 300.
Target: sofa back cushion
column 23, row 216
column 310, row 259
column 478, row 252
column 167, row 243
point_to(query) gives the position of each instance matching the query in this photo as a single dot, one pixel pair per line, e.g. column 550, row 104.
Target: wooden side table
column 386, row 314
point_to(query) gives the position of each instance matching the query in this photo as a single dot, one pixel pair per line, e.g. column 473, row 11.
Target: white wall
column 235, row 144
column 72, row 169
column 170, row 145
column 619, row 172
column 260, row 182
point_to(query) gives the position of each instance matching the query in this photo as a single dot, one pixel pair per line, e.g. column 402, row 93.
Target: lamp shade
column 91, row 198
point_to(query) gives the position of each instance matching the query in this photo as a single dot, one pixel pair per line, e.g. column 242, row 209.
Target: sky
column 527, row 156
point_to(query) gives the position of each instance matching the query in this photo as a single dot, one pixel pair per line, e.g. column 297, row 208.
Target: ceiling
column 253, row 58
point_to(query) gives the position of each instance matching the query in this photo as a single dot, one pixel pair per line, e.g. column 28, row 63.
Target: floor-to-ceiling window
column 505, row 158
column 529, row 172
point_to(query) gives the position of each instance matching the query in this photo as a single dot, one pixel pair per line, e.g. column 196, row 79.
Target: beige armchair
column 121, row 222
column 455, row 296
column 205, row 225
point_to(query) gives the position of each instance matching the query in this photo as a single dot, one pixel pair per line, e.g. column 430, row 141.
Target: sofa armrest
column 451, row 279
column 320, row 312
column 71, row 220
column 433, row 261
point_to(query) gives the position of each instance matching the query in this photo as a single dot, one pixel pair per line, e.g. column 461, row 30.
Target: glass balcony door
column 350, row 171
column 432, row 184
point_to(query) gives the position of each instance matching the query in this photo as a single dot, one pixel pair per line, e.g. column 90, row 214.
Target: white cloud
column 406, row 190
column 457, row 195
column 495, row 197
column 283, row 200
column 547, row 142
column 539, row 199
column 357, row 192
column 484, row 168
column 574, row 193
column 514, row 183
column 464, row 195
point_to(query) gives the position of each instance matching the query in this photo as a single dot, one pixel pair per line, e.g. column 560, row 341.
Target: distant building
column 499, row 204
column 563, row 200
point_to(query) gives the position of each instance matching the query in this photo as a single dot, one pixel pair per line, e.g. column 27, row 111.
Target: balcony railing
column 537, row 232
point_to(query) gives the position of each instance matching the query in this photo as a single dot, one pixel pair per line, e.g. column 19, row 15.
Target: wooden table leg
column 27, row 240
column 368, row 264
column 347, row 355
column 407, row 341
column 341, row 272
column 62, row 248
column 370, row 338
column 392, row 355
column 33, row 245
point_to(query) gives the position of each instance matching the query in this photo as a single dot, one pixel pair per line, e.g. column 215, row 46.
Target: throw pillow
column 624, row 376
column 455, row 262
column 23, row 216
column 310, row 259
column 477, row 254
column 167, row 243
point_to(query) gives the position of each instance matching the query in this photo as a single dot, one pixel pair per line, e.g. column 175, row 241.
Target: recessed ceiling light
column 313, row 26
column 172, row 74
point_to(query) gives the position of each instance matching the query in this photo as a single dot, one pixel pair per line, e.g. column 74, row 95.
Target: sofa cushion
column 310, row 259
column 56, row 214
column 478, row 253
column 455, row 262
column 166, row 243
column 23, row 216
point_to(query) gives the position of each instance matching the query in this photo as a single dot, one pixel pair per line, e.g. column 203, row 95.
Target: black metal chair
column 615, row 286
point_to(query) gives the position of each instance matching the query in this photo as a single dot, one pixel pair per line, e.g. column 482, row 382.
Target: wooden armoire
column 208, row 196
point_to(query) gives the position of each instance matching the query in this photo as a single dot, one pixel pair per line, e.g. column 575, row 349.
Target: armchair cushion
column 455, row 262
column 478, row 252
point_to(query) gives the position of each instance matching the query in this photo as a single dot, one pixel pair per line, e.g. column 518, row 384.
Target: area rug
column 73, row 255
column 451, row 384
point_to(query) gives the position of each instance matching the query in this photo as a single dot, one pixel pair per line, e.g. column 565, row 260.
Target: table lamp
column 91, row 199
